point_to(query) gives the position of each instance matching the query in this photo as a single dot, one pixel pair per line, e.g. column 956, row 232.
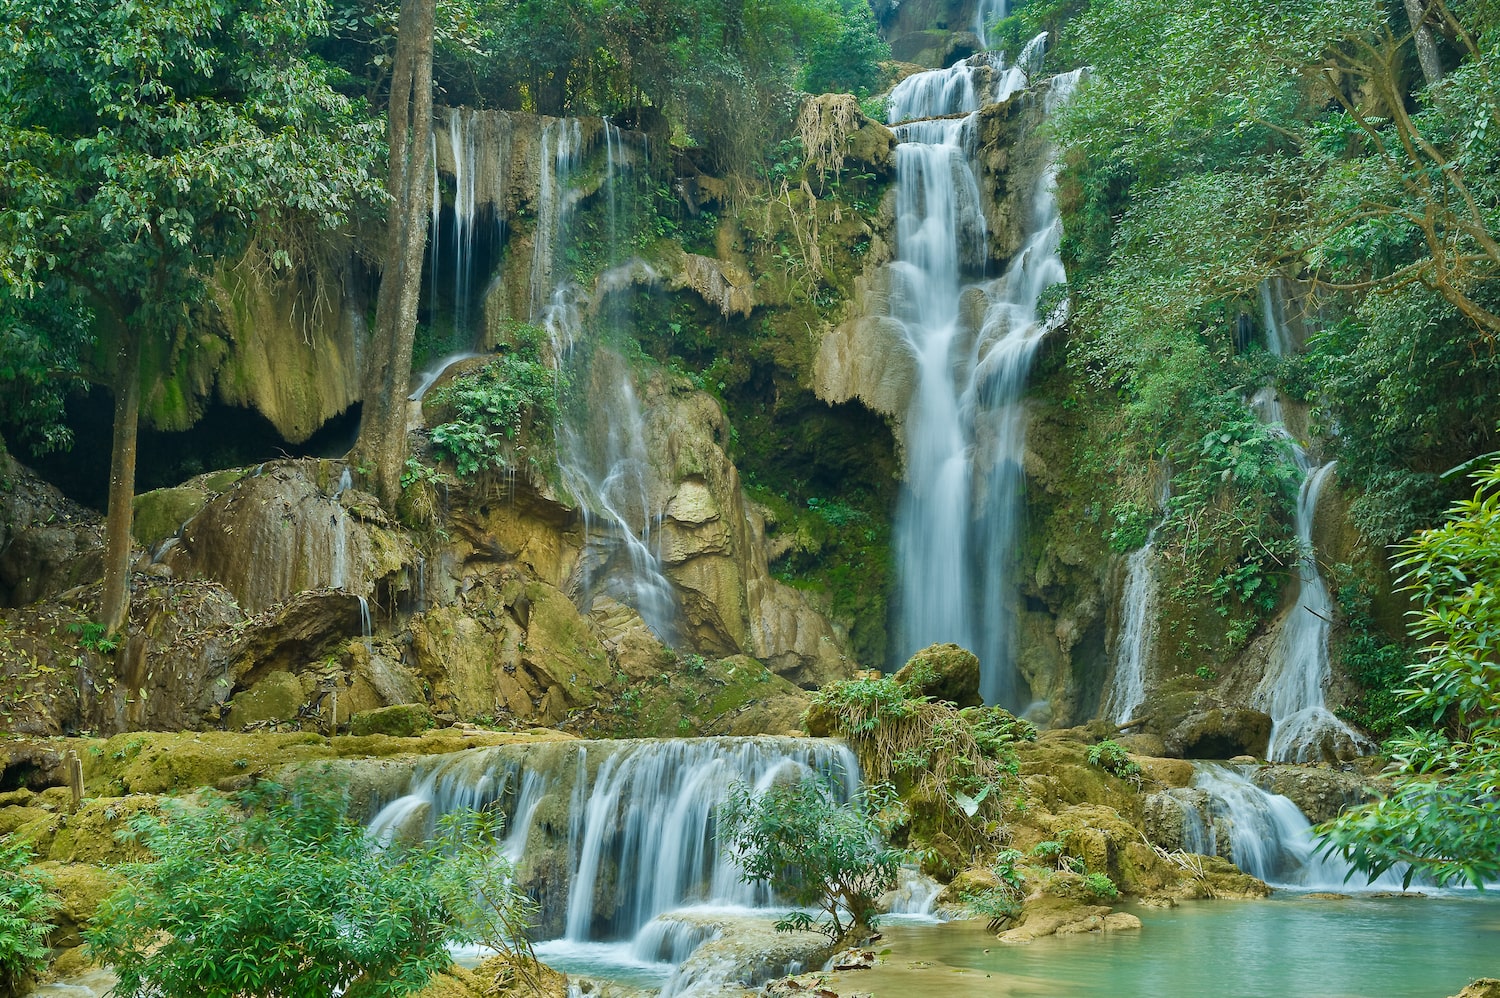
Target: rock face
column 288, row 529
column 48, row 543
column 1198, row 724
column 1320, row 793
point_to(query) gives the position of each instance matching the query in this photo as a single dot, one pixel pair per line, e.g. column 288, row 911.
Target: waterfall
column 1133, row 645
column 986, row 13
column 639, row 836
column 601, row 439
column 965, row 427
column 1265, row 834
column 479, row 147
column 1303, row 729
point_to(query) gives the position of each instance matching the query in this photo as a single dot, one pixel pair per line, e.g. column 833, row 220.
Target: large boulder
column 944, row 672
column 1220, row 733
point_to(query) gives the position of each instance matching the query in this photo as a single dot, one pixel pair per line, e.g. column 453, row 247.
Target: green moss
column 402, row 720
column 160, row 513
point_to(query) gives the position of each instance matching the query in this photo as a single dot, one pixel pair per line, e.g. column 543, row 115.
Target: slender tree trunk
column 116, row 603
column 1422, row 37
column 382, row 434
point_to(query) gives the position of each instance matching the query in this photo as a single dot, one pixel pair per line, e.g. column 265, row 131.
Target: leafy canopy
column 142, row 142
column 291, row 899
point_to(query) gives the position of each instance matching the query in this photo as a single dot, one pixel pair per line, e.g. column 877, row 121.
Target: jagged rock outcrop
column 288, row 528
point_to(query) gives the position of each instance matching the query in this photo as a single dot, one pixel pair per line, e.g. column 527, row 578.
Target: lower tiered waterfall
column 612, row 834
column 1262, row 833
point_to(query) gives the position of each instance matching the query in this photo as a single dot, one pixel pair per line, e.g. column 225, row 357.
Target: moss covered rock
column 401, row 720
column 944, row 672
column 277, row 697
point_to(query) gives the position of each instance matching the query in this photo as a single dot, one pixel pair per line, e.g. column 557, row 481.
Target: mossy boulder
column 82, row 888
column 944, row 672
column 161, row 513
column 402, row 720
column 277, row 697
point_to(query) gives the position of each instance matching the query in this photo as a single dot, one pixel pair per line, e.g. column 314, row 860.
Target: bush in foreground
column 283, row 896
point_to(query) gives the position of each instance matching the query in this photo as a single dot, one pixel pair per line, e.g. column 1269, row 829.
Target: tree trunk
column 1422, row 37
column 382, row 434
column 116, row 602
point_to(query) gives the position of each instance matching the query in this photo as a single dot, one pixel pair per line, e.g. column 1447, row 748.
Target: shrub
column 813, row 850
column 26, row 905
column 490, row 408
column 1100, row 885
column 949, row 766
column 1111, row 757
column 284, row 895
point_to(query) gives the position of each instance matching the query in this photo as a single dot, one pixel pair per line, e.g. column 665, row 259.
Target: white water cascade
column 1303, row 729
column 986, row 13
column 616, row 833
column 965, row 427
column 1265, row 833
column 601, row 439
column 1133, row 642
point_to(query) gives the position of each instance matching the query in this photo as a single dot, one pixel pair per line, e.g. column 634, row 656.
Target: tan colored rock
column 290, row 529
column 1167, row 772
column 944, row 672
column 1484, row 987
column 630, row 644
column 867, row 357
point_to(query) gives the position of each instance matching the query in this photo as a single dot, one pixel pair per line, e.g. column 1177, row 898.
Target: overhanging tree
column 142, row 142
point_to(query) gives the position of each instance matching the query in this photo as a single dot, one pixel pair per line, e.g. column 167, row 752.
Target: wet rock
column 1220, row 732
column 402, row 720
column 1166, row 813
column 1166, row 772
column 290, row 529
column 1484, row 987
column 944, row 672
column 1319, row 792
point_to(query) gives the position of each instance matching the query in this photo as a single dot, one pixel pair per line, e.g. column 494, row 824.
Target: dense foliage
column 291, row 898
column 489, row 406
column 26, row 905
column 951, row 767
column 1279, row 194
column 813, row 850
column 1443, row 817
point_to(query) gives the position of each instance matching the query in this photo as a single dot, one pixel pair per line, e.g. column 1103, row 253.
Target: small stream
column 1287, row 946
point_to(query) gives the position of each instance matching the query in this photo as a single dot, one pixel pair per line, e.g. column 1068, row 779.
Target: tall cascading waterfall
column 476, row 152
column 601, row 438
column 1262, row 833
column 618, row 832
column 965, row 427
column 1302, row 727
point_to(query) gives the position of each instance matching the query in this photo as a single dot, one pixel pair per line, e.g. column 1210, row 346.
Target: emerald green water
column 1283, row 947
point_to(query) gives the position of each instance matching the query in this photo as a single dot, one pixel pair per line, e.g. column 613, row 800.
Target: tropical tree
column 141, row 143
column 1442, row 818
column 814, row 850
column 382, row 432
